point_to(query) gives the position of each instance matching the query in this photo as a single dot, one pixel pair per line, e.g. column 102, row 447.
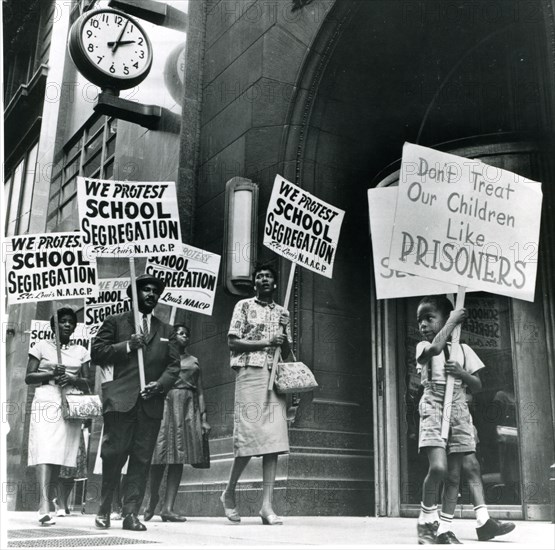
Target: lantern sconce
column 240, row 234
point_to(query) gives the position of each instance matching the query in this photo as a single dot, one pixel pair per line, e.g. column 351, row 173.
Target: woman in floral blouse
column 258, row 327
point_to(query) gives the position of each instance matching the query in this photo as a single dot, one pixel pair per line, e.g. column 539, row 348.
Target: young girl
column 180, row 437
column 436, row 322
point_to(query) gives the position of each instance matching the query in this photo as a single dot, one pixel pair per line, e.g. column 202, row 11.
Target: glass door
column 488, row 332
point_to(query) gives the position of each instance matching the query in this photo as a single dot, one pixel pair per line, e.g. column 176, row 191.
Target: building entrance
column 389, row 72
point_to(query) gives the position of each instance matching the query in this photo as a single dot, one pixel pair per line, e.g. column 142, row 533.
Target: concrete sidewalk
column 78, row 530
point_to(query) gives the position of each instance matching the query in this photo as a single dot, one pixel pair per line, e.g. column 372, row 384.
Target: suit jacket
column 161, row 363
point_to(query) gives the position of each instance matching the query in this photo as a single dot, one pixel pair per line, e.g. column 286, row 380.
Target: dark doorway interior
column 427, row 72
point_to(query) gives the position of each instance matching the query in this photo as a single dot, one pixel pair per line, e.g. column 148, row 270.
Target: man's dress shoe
column 102, row 521
column 131, row 523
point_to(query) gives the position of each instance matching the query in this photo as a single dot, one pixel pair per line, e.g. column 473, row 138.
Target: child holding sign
column 436, row 321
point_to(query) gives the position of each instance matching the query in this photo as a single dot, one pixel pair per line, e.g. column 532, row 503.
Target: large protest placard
column 302, row 227
column 111, row 300
column 464, row 222
column 45, row 267
column 128, row 219
column 391, row 283
column 40, row 330
column 191, row 278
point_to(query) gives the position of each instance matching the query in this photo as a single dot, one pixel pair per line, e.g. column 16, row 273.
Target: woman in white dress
column 54, row 441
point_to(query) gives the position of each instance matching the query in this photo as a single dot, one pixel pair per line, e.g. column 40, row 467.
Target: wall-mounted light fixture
column 240, row 234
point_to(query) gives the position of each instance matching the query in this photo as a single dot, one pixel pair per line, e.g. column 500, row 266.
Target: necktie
column 145, row 325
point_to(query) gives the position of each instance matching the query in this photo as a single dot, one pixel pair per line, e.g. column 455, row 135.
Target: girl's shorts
column 461, row 429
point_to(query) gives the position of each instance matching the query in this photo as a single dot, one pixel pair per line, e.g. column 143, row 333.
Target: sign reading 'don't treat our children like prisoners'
column 392, row 283
column 302, row 227
column 464, row 222
column 128, row 219
column 191, row 278
column 48, row 266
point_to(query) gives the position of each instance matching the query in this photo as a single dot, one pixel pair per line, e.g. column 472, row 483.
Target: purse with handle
column 294, row 377
column 80, row 406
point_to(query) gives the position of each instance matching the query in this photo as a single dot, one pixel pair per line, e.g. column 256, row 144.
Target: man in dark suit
column 131, row 416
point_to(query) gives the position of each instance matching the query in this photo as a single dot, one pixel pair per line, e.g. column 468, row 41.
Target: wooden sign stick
column 173, row 313
column 138, row 328
column 277, row 354
column 448, row 399
column 57, row 335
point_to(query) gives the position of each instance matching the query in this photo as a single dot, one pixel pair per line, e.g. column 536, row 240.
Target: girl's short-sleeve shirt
column 73, row 356
column 472, row 364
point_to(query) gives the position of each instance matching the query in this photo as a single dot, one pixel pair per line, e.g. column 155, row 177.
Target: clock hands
column 122, row 42
column 118, row 40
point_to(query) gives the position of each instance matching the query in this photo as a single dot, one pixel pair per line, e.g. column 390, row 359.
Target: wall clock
column 110, row 49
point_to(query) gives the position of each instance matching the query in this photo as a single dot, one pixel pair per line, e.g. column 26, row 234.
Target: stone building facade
column 325, row 93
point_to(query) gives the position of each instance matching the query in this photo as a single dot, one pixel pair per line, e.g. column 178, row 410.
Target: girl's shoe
column 149, row 510
column 230, row 513
column 59, row 511
column 172, row 516
column 148, row 515
column 45, row 518
column 271, row 519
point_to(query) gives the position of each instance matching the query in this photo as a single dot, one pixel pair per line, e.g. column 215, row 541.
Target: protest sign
column 111, row 300
column 40, row 330
column 391, row 283
column 467, row 223
column 190, row 278
column 124, row 219
column 302, row 227
column 45, row 267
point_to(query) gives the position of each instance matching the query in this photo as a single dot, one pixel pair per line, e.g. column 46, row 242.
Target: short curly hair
column 264, row 267
column 440, row 302
column 61, row 312
column 184, row 326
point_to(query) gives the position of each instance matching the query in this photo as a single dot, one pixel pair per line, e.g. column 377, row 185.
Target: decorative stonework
column 330, row 37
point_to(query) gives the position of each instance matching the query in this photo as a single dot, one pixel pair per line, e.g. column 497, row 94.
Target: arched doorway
column 383, row 73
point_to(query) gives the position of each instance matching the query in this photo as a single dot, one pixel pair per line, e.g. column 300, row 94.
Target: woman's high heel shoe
column 272, row 519
column 173, row 517
column 230, row 513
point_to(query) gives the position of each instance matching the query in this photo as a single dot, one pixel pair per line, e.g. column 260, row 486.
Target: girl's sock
column 445, row 521
column 428, row 514
column 482, row 515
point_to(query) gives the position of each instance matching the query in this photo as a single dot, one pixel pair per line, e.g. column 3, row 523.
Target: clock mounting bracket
column 148, row 116
column 158, row 13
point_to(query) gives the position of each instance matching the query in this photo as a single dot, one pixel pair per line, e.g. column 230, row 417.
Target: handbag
column 294, row 377
column 80, row 406
column 205, row 463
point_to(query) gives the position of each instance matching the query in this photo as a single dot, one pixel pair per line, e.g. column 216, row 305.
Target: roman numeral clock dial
column 110, row 49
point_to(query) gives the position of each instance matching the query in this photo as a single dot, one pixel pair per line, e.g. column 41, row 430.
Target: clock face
column 110, row 48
